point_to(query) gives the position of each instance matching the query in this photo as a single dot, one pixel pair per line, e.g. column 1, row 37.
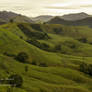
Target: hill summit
column 6, row 16
column 76, row 16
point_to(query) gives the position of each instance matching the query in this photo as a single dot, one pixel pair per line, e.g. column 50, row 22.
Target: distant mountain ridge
column 43, row 18
column 69, row 17
column 82, row 22
column 76, row 16
column 6, row 16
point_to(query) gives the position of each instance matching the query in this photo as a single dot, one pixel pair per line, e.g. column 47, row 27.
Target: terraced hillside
column 54, row 56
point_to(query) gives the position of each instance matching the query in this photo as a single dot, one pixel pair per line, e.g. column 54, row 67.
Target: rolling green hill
column 55, row 53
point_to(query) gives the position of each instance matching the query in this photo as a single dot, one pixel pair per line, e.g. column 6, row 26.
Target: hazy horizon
column 33, row 8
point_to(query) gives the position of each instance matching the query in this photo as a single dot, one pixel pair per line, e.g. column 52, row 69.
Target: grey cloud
column 68, row 7
column 88, row 6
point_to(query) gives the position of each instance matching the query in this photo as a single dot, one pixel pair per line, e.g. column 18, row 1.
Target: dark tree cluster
column 36, row 43
column 83, row 40
column 33, row 34
column 15, row 80
column 22, row 57
column 37, row 27
column 58, row 30
column 41, row 64
column 71, row 44
column 58, row 47
column 11, row 20
column 86, row 68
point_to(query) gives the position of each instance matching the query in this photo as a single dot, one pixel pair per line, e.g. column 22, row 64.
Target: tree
column 26, row 68
column 45, row 46
column 8, row 90
column 22, row 57
column 37, row 27
column 16, row 80
column 11, row 20
column 87, row 69
column 84, row 40
column 58, row 30
column 43, row 64
column 84, row 68
column 58, row 47
column 90, row 69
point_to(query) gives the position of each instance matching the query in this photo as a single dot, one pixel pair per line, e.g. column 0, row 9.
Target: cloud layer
column 46, row 7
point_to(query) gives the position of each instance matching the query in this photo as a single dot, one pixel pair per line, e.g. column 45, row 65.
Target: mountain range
column 76, row 16
column 6, row 16
column 68, row 17
column 42, row 18
column 86, row 22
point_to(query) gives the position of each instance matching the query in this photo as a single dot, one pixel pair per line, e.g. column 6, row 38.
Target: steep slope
column 16, row 45
column 48, row 79
column 48, row 71
column 49, row 34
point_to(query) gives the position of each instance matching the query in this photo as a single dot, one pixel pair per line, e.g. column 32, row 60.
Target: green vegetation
column 22, row 57
column 46, row 57
column 15, row 80
column 86, row 68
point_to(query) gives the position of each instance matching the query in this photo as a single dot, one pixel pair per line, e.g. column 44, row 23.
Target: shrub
column 22, row 57
column 43, row 64
column 83, row 40
column 58, row 30
column 8, row 90
column 11, row 20
column 58, row 47
column 86, row 68
column 71, row 44
column 35, row 63
column 16, row 80
column 36, row 27
column 90, row 69
column 45, row 46
column 26, row 68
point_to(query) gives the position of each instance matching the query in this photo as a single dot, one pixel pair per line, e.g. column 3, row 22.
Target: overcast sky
column 46, row 7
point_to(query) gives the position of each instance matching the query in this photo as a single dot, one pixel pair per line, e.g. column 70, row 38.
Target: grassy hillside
column 55, row 54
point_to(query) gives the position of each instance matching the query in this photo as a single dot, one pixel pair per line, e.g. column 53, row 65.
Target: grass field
column 62, row 70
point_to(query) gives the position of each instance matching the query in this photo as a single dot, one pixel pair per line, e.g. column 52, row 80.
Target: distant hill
column 76, row 16
column 58, row 20
column 69, row 17
column 6, row 16
column 43, row 18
